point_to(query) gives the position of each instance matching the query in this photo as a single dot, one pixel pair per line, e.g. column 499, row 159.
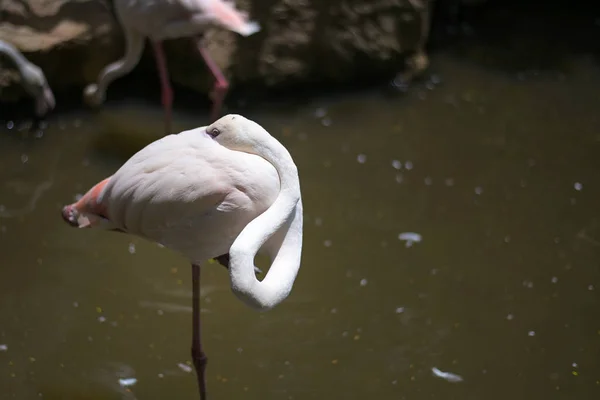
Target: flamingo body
column 184, row 191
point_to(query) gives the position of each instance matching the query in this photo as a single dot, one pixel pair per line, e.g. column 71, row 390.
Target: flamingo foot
column 224, row 261
column 198, row 357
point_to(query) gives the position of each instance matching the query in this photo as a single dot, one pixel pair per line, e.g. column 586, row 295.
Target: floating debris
column 3, row 347
column 320, row 112
column 396, row 164
column 131, row 248
column 410, row 238
column 578, row 186
column 362, row 158
column 363, row 282
column 478, row 190
column 185, row 367
column 408, row 165
column 449, row 376
column 125, row 382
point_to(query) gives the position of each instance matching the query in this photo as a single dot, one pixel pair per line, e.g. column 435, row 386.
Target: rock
column 301, row 41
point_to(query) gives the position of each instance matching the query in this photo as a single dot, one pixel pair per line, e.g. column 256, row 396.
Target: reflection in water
column 498, row 173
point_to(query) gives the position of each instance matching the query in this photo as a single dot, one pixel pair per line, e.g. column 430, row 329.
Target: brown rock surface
column 301, row 41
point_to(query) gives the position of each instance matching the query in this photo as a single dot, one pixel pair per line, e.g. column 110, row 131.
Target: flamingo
column 169, row 19
column 33, row 79
column 225, row 191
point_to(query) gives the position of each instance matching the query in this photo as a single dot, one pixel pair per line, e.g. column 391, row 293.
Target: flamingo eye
column 214, row 132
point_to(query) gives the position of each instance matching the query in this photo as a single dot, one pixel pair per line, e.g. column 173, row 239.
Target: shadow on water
column 493, row 174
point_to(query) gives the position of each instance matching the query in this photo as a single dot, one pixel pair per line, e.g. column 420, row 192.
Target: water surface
column 497, row 173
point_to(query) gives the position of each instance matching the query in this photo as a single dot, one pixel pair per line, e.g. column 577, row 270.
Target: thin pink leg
column 166, row 90
column 198, row 356
column 221, row 85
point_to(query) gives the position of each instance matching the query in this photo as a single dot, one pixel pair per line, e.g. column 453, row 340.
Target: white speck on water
column 399, row 178
column 410, row 238
column 510, row 317
column 327, row 243
column 90, row 339
column 528, row 284
column 554, row 279
column 428, row 181
column 10, row 125
column 160, row 312
column 75, row 304
column 127, row 382
column 185, row 367
column 101, row 319
column 591, row 287
column 574, row 365
column 399, row 310
column 449, row 376
column 334, row 311
column 161, row 375
column 318, row 221
column 326, row 121
column 478, row 190
column 320, row 112
column 239, row 350
column 345, row 334
column 394, row 382
column 531, row 333
column 408, row 165
column 396, row 164
column 449, row 182
column 131, row 248
column 362, row 158
column 578, row 186
column 363, row 282
column 3, row 347
column 507, row 239
column 24, row 158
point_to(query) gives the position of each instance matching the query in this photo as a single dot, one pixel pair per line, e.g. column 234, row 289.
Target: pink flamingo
column 169, row 19
column 225, row 191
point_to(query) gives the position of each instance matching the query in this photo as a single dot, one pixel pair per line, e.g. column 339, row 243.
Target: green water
column 496, row 171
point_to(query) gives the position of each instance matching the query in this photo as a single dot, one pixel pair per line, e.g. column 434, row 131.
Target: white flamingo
column 169, row 19
column 225, row 191
column 33, row 79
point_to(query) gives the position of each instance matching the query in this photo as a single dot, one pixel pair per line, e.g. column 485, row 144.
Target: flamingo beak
column 70, row 216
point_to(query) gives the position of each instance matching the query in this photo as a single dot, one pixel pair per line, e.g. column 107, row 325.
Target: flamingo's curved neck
column 134, row 48
column 14, row 55
column 285, row 213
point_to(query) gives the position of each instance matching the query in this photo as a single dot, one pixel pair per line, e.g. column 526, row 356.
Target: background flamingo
column 169, row 19
column 227, row 190
column 33, row 79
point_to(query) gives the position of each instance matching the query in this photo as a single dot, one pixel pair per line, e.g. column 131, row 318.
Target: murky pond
column 456, row 227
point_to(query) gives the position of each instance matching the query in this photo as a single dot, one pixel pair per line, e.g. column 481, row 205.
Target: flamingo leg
column 221, row 85
column 166, row 90
column 198, row 357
